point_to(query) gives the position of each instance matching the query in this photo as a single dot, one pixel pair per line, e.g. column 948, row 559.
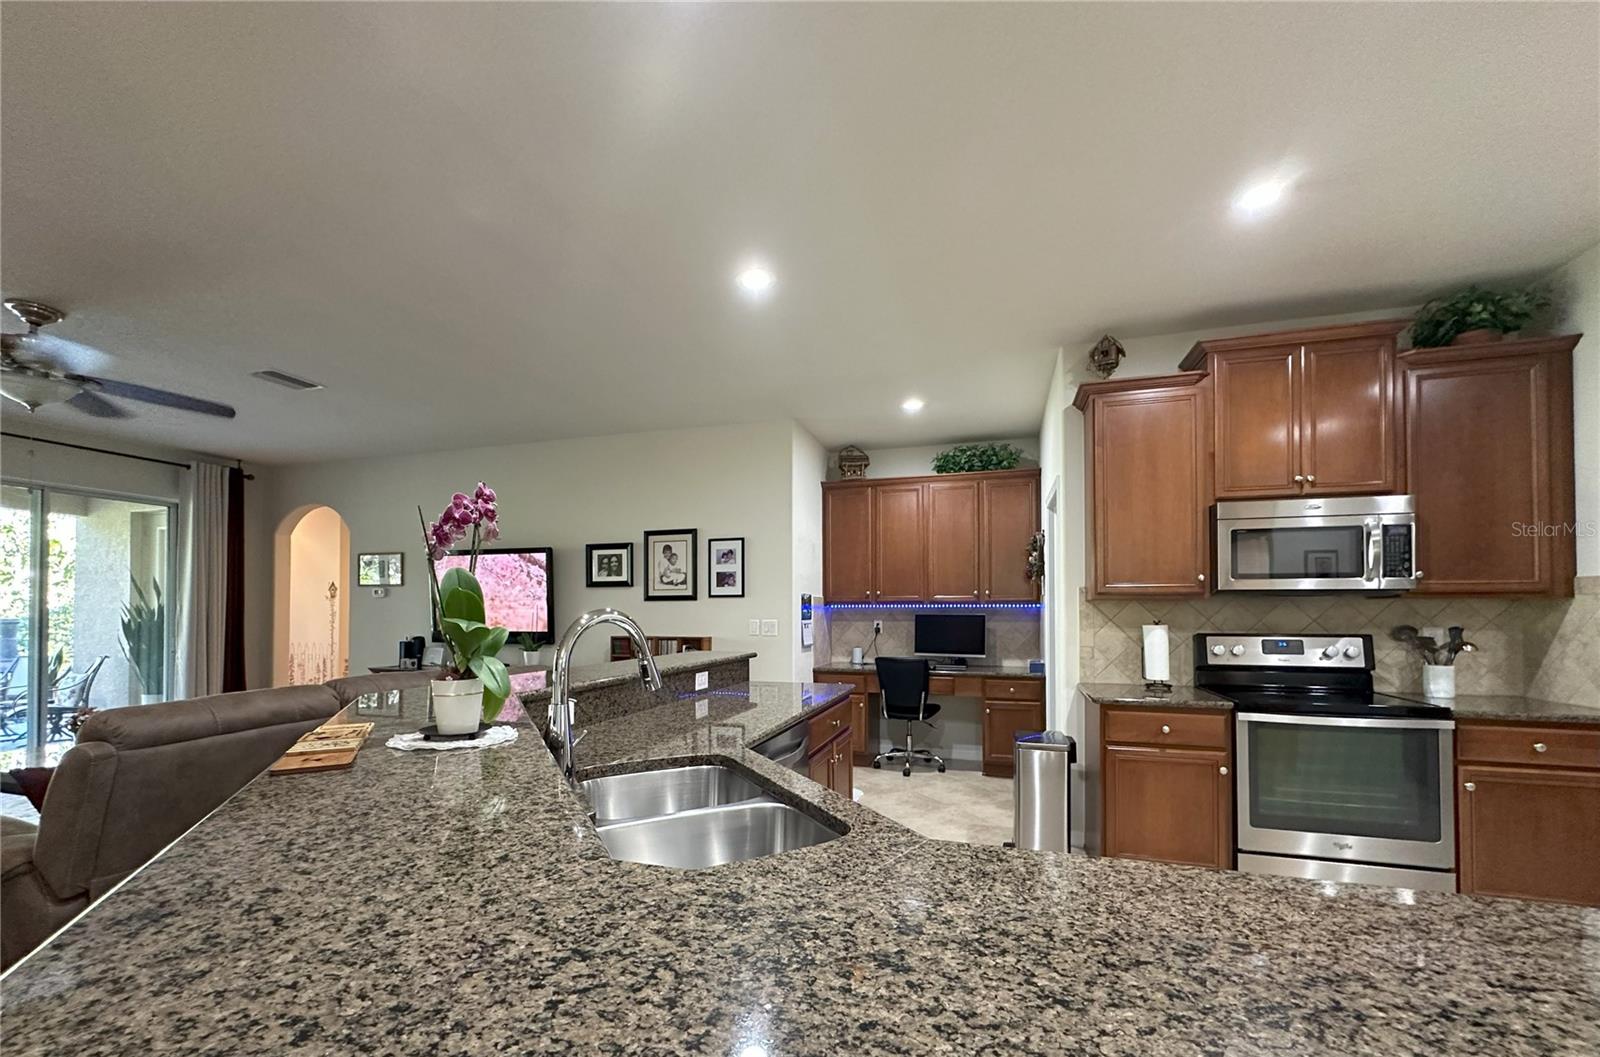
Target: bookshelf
column 660, row 645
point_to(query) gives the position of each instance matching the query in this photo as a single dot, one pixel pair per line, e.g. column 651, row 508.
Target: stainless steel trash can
column 1042, row 790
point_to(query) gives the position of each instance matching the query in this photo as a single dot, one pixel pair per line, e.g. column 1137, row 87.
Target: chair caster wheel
column 941, row 768
column 877, row 763
column 906, row 772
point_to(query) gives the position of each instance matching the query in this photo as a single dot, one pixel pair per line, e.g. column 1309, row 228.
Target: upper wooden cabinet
column 1307, row 412
column 943, row 538
column 1488, row 450
column 1149, row 485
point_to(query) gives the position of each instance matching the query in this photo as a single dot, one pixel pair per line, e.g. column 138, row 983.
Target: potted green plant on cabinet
column 1475, row 315
column 976, row 458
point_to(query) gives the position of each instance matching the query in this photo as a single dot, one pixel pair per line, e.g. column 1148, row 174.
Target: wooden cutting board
column 332, row 747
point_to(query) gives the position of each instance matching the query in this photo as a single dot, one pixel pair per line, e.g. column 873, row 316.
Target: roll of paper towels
column 1156, row 666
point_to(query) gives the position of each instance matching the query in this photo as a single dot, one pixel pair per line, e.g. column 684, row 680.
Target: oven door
column 1359, row 790
column 1333, row 553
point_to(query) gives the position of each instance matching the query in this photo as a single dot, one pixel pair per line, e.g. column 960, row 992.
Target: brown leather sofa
column 136, row 780
column 351, row 687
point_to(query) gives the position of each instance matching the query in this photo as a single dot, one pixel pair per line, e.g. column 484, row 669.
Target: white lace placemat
column 500, row 735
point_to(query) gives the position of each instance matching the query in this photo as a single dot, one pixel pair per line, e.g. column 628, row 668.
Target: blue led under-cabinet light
column 924, row 606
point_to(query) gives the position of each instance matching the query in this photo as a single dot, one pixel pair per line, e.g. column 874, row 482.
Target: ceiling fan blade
column 59, row 353
column 96, row 405
column 145, row 394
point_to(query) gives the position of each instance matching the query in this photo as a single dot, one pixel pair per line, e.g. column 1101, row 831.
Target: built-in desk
column 1012, row 699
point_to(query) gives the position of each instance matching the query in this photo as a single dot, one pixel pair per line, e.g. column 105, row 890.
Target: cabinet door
column 1167, row 805
column 819, row 766
column 1347, row 434
column 1529, row 833
column 1476, row 460
column 899, row 553
column 1149, row 492
column 847, row 544
column 952, row 529
column 859, row 724
column 1010, row 510
column 842, row 780
column 1257, row 422
column 1001, row 722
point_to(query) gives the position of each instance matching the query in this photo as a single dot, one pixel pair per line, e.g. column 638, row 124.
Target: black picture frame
column 684, row 547
column 725, row 574
column 591, row 551
column 381, row 569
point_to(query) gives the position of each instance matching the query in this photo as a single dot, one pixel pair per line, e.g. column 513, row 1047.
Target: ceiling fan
column 35, row 370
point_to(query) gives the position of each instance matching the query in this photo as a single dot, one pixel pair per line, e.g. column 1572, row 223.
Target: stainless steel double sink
column 695, row 817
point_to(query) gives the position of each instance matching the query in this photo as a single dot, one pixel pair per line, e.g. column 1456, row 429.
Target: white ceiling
column 497, row 223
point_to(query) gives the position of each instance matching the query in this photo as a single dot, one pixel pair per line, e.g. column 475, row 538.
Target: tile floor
column 961, row 806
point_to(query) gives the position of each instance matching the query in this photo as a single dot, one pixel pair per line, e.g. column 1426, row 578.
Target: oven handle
column 1397, row 723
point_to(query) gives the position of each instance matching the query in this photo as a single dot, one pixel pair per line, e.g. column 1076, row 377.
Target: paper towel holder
column 1158, row 687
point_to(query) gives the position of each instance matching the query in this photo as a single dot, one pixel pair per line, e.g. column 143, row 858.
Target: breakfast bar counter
column 461, row 902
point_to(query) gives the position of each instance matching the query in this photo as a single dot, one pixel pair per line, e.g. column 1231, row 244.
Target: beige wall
column 723, row 481
column 1576, row 290
column 808, row 466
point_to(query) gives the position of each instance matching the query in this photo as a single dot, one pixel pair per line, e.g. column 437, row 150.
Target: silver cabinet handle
column 1222, row 770
column 1165, row 729
column 1470, row 786
column 1311, row 478
column 1417, row 575
column 1540, row 746
column 1201, row 578
column 1299, row 477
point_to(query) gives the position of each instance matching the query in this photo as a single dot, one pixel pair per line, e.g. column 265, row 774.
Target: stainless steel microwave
column 1337, row 543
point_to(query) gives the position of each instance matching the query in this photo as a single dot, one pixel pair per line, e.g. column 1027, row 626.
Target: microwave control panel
column 1397, row 552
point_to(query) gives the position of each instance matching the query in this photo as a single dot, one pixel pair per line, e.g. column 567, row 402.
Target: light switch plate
column 755, row 627
column 769, row 628
column 702, row 680
column 702, row 707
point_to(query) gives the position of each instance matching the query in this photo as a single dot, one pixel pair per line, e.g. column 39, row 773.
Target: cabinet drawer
column 1013, row 689
column 857, row 681
column 1561, row 746
column 1139, row 727
column 941, row 684
column 824, row 727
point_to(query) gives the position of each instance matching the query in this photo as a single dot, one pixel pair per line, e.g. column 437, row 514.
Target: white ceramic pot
column 530, row 656
column 457, row 705
column 1439, row 680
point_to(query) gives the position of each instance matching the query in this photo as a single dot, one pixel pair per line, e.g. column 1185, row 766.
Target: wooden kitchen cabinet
column 1166, row 787
column 952, row 529
column 832, row 766
column 1488, row 453
column 1009, row 511
column 1307, row 412
column 861, row 727
column 942, row 538
column 1528, row 815
column 1148, row 455
column 847, row 540
column 1009, row 706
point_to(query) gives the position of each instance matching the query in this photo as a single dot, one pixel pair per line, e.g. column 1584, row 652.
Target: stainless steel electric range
column 1334, row 781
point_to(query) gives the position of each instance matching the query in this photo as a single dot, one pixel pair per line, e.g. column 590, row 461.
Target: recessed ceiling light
column 1261, row 198
column 911, row 405
column 756, row 280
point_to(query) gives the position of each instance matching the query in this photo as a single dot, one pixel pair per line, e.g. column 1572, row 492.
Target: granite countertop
column 615, row 673
column 1511, row 707
column 461, row 903
column 993, row 671
column 1135, row 695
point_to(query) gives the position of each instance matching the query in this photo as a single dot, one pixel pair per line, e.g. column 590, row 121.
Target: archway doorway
column 311, row 597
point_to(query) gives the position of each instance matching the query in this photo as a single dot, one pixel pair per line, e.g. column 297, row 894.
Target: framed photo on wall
column 608, row 565
column 380, row 570
column 725, row 567
column 669, row 573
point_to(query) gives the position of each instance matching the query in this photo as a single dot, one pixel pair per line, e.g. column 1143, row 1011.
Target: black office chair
column 903, row 689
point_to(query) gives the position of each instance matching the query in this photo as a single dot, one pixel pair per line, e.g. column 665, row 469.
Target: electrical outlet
column 702, row 680
column 702, row 708
column 877, row 627
column 769, row 628
column 755, row 627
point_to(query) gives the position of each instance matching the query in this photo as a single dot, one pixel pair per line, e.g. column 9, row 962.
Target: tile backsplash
column 1012, row 634
column 1547, row 648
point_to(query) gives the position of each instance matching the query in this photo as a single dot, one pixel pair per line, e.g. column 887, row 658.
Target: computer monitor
column 949, row 634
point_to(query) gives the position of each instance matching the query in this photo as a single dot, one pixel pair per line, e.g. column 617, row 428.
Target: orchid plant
column 458, row 598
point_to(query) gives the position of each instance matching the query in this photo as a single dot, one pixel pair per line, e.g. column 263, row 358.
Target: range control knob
column 1330, row 652
column 1352, row 652
column 1237, row 651
column 1218, row 650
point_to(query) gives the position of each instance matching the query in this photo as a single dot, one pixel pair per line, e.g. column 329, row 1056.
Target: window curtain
column 202, row 647
column 233, row 608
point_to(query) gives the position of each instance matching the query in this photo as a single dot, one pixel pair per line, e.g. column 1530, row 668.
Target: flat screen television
column 516, row 589
column 948, row 634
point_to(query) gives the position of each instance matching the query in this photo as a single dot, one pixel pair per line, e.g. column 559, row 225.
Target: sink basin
column 710, row 836
column 650, row 794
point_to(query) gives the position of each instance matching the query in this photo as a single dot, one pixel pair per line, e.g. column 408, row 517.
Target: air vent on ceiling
column 288, row 381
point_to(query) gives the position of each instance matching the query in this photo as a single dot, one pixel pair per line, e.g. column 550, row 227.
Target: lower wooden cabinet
column 861, row 727
column 1527, row 828
column 832, row 765
column 1001, row 722
column 1166, row 787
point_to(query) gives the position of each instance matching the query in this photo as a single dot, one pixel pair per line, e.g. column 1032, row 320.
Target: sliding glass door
column 85, row 612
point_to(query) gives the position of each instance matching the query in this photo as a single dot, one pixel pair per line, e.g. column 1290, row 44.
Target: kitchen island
column 461, row 903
